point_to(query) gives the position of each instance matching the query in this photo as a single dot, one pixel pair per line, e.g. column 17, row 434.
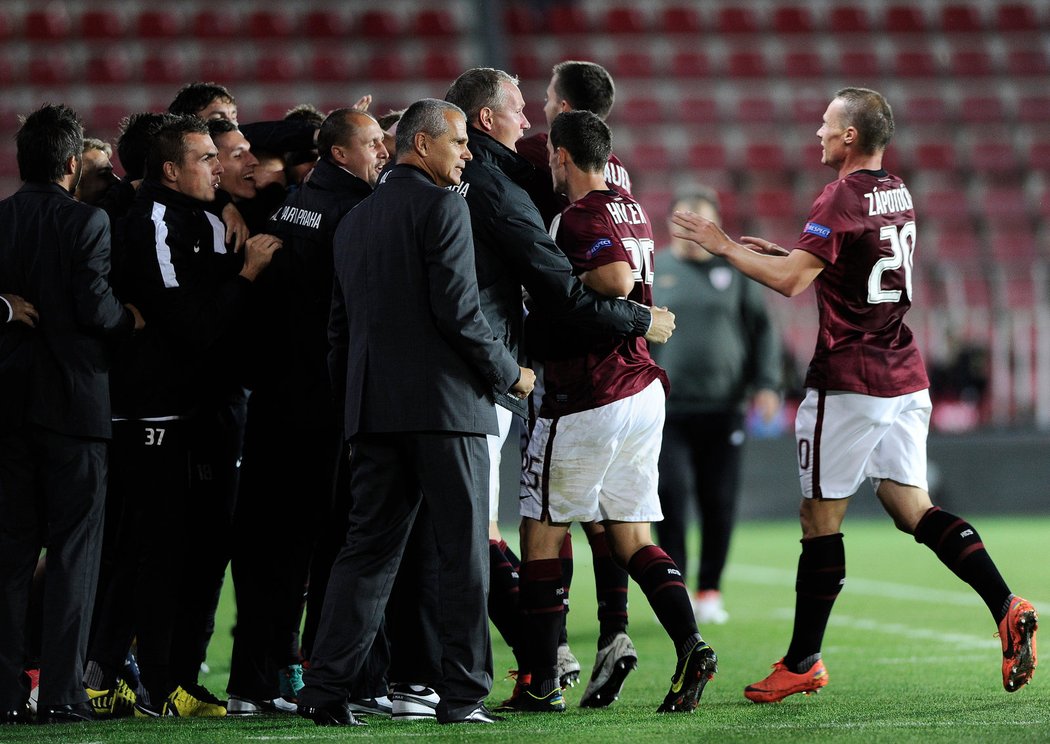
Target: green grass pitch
column 910, row 653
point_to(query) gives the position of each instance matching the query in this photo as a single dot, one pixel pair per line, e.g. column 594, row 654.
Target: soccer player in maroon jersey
column 867, row 406
column 595, row 446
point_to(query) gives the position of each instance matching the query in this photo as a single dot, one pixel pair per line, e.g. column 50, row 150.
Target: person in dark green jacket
column 729, row 359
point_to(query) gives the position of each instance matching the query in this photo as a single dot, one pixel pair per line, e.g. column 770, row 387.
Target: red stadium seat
column 956, row 244
column 1003, row 204
column 995, row 158
column 215, row 24
column 697, row 110
column 947, row 205
column 527, row 66
column 277, row 67
column 982, row 109
column 852, row 19
column 707, row 156
column 625, row 20
column 103, row 120
column 935, row 156
column 633, row 64
column 915, row 63
column 51, row 24
column 110, row 68
column 640, row 111
column 325, row 24
column 970, row 63
column 774, row 203
column 809, row 110
column 435, row 23
column 678, row 19
column 1037, row 155
column 757, row 109
column 164, row 68
column 904, row 19
column 1034, row 109
column 925, row 110
column 792, row 19
column 568, row 19
column 521, row 20
column 101, row 24
column 650, row 157
column 6, row 26
column 331, row 67
column 441, row 64
column 961, row 19
column 737, row 19
column 860, row 64
column 690, row 64
column 1016, row 17
column 158, row 24
column 747, row 64
column 804, row 64
column 270, row 24
column 7, row 73
column 387, row 65
column 381, row 24
column 49, row 69
column 768, row 157
column 221, row 70
column 1027, row 63
column 1017, row 246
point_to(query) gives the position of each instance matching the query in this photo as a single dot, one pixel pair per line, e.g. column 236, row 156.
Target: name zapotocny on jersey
column 863, row 227
column 601, row 228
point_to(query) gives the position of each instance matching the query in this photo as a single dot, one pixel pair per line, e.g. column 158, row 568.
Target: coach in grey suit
column 420, row 367
column 54, row 412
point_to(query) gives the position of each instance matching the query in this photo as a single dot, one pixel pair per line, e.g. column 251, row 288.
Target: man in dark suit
column 54, row 412
column 419, row 366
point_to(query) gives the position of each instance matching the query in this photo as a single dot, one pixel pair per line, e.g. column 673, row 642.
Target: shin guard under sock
column 959, row 547
column 504, row 609
column 821, row 573
column 610, row 588
column 541, row 592
column 661, row 580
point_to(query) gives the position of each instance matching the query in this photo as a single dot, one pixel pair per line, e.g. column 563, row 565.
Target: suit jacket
column 54, row 251
column 408, row 336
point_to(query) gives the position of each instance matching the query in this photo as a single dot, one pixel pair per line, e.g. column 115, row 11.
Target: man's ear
column 170, row 170
column 850, row 135
column 421, row 143
column 485, row 117
column 338, row 154
column 71, row 165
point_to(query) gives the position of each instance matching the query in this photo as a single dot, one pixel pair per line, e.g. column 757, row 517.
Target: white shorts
column 844, row 438
column 503, row 418
column 598, row 464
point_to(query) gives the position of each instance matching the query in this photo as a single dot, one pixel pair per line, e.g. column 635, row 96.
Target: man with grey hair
column 512, row 250
column 97, row 175
column 419, row 369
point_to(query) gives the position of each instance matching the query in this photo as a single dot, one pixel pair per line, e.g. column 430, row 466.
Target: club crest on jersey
column 599, row 245
column 815, row 228
column 721, row 277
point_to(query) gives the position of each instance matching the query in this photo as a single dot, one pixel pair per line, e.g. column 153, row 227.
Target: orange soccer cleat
column 783, row 682
column 1017, row 633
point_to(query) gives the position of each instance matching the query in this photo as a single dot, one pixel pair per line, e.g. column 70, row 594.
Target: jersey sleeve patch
column 599, row 245
column 815, row 228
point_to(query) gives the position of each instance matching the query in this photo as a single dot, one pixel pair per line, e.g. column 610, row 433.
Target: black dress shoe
column 334, row 714
column 481, row 714
column 16, row 715
column 68, row 713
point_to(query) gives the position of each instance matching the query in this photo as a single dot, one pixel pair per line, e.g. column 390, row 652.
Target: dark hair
column 478, row 88
column 338, row 127
column 304, row 112
column 219, row 127
column 47, row 139
column 136, row 131
column 390, row 118
column 168, row 144
column 195, row 97
column 586, row 138
column 586, row 86
column 868, row 111
column 427, row 115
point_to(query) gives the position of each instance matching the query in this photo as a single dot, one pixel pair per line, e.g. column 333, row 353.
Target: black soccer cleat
column 691, row 675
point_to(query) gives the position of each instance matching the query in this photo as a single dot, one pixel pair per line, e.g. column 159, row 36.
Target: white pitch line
column 889, row 589
column 963, row 640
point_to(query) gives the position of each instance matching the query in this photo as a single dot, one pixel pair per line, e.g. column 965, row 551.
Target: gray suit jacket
column 54, row 251
column 410, row 345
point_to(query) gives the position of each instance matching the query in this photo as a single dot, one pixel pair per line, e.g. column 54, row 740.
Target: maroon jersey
column 863, row 227
column 601, row 228
column 534, row 149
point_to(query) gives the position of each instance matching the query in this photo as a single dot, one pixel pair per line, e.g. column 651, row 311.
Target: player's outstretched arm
column 788, row 273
